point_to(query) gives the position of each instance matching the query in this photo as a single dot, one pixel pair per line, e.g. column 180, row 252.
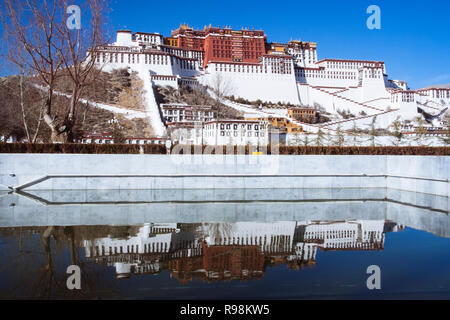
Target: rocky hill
column 21, row 100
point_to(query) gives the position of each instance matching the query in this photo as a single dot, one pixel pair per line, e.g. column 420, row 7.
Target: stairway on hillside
column 347, row 99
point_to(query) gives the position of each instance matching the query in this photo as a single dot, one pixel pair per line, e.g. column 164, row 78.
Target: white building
column 236, row 132
column 178, row 112
column 289, row 73
column 186, row 133
column 220, row 133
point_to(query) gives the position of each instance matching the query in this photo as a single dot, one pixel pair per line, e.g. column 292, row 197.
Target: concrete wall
column 97, row 207
column 426, row 174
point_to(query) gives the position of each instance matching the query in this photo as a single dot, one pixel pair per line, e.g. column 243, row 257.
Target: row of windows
column 372, row 73
column 341, row 233
column 303, row 54
column 442, row 94
column 281, row 68
column 184, row 53
column 405, row 97
column 148, row 38
column 254, row 240
column 235, row 134
column 349, row 65
column 236, row 126
column 148, row 59
column 240, row 68
column 183, row 112
column 227, row 54
column 158, row 247
column 328, row 74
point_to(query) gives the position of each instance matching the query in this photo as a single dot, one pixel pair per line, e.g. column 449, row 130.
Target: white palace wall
column 252, row 85
column 156, row 63
column 354, row 85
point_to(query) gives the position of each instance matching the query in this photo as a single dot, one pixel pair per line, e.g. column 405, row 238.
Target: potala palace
column 190, row 251
column 249, row 67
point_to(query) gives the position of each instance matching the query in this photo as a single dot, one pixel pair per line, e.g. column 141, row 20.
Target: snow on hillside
column 128, row 114
column 150, row 103
column 245, row 109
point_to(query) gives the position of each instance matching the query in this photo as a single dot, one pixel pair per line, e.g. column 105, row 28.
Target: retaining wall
column 425, row 174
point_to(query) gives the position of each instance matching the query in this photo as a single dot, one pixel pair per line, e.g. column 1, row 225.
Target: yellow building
column 276, row 48
column 302, row 113
column 170, row 41
column 277, row 122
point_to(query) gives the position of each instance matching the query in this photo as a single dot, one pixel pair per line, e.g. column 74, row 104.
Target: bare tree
column 79, row 55
column 30, row 39
column 18, row 93
column 373, row 131
column 222, row 87
column 397, row 132
column 306, row 141
column 296, row 139
column 40, row 43
column 420, row 131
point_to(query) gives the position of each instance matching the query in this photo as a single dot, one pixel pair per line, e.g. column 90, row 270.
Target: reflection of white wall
column 151, row 238
column 343, row 235
column 271, row 238
column 277, row 236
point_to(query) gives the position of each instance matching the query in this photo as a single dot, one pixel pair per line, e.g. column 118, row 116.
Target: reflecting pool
column 224, row 244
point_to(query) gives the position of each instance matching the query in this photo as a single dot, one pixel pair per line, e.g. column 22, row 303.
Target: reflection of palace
column 225, row 251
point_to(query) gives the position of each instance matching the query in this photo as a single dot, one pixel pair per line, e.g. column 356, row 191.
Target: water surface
column 224, row 244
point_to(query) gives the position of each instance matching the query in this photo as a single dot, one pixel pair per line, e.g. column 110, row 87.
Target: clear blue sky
column 414, row 39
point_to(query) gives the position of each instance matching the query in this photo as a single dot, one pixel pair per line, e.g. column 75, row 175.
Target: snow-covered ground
column 128, row 114
column 328, row 139
column 150, row 103
column 330, row 134
column 264, row 113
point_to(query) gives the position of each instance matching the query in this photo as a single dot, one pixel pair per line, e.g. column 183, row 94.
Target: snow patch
column 150, row 103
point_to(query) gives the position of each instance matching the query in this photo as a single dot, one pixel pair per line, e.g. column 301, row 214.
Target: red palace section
column 221, row 44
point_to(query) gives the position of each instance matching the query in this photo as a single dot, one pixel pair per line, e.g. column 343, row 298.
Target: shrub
column 161, row 149
column 81, row 148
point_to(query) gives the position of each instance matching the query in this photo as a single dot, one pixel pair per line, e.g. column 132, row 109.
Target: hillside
column 119, row 88
column 196, row 96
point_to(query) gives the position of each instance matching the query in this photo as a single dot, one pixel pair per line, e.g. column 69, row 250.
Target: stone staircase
column 347, row 99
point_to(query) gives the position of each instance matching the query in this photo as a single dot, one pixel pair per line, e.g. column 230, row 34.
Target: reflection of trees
column 40, row 266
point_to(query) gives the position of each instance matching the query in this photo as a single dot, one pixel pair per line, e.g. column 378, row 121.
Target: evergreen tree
column 306, row 140
column 373, row 131
column 340, row 137
column 398, row 134
column 356, row 141
column 320, row 138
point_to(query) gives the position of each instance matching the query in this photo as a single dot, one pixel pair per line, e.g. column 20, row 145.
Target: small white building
column 153, row 140
column 178, row 112
column 236, row 132
column 97, row 137
column 186, row 133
